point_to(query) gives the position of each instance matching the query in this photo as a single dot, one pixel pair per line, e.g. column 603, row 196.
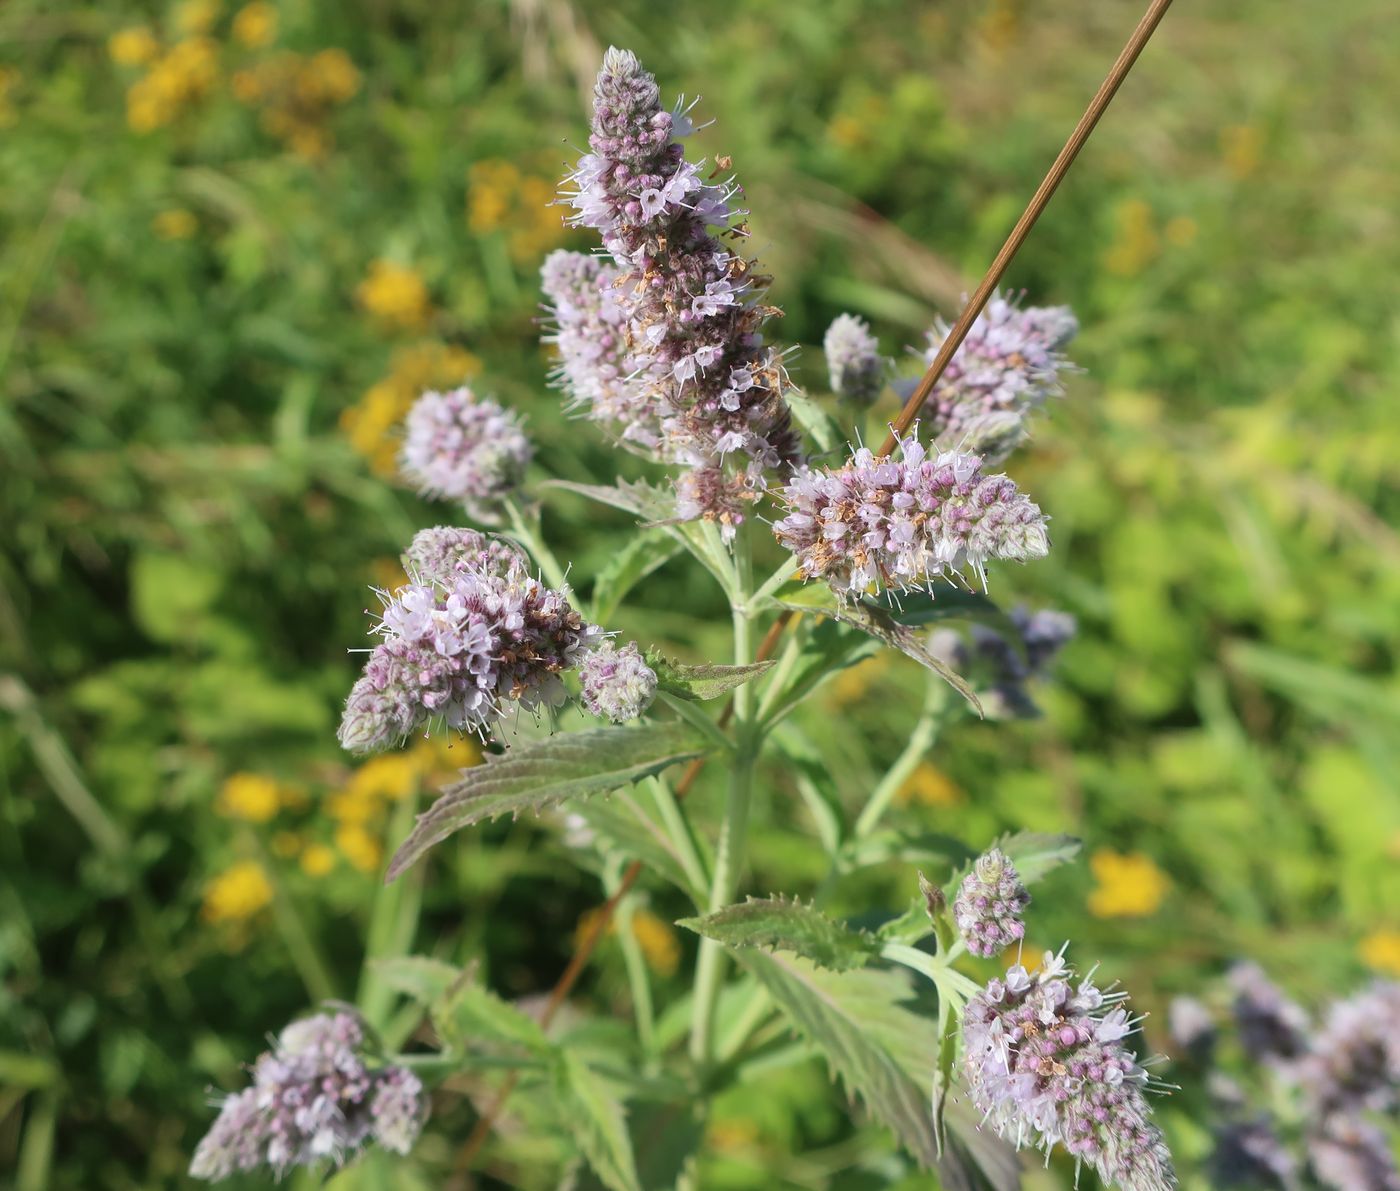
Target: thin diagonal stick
column 1119, row 71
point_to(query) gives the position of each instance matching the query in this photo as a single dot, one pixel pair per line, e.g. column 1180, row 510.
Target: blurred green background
column 236, row 243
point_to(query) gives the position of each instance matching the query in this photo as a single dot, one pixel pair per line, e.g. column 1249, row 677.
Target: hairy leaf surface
column 776, row 924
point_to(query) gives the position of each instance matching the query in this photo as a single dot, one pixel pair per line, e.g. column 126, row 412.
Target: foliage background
column 234, row 247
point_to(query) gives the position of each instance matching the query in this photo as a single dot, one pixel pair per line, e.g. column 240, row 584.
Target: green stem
column 777, row 679
column 301, row 945
column 733, row 836
column 921, row 739
column 677, row 825
column 392, row 923
column 635, row 962
column 528, row 535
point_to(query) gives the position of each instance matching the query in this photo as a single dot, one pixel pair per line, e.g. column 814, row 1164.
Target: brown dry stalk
column 1119, row 71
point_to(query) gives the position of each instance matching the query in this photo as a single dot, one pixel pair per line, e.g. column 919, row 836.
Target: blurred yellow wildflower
column 852, row 684
column 9, row 80
column 929, row 786
column 133, row 47
column 1381, row 950
column 359, row 847
column 183, row 75
column 252, row 797
column 317, row 860
column 733, row 1135
column 175, row 224
column 998, row 27
column 655, row 937
column 1240, row 147
column 389, row 775
column 196, row 16
column 255, row 25
column 388, row 574
column 371, row 423
column 237, row 893
column 501, row 198
column 1135, row 245
column 286, row 844
column 330, row 77
column 295, row 95
column 1130, row 885
column 394, row 295
column 1180, row 231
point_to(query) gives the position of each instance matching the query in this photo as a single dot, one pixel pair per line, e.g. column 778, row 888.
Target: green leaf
column 471, row 1013
column 645, row 500
column 642, row 555
column 638, row 838
column 418, row 976
column 917, row 609
column 875, row 620
column 598, row 1123
column 820, row 426
column 702, row 682
column 882, row 1052
column 828, row 648
column 777, row 924
column 542, row 774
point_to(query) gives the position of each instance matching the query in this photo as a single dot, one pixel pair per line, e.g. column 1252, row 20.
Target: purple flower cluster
column 886, row 523
column 313, row 1099
column 617, row 683
column 693, row 346
column 460, row 447
column 989, row 905
column 438, row 555
column 1336, row 1078
column 854, row 364
column 1046, row 1063
column 456, row 649
column 1009, row 364
column 998, row 669
column 590, row 331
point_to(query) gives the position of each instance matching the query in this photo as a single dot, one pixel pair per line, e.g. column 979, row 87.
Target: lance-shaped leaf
column 598, row 1123
column 818, row 424
column 883, row 1053
column 641, row 555
column 876, row 620
column 776, row 924
column 1033, row 853
column 643, row 499
column 702, row 682
column 635, row 836
column 542, row 774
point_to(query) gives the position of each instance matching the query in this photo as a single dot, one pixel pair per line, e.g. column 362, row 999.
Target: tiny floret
column 989, row 905
column 901, row 523
column 460, row 447
column 617, row 683
column 853, row 361
column 437, row 556
column 314, row 1100
column 1045, row 1061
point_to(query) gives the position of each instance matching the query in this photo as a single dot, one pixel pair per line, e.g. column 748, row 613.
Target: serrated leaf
column 702, row 682
column 818, row 424
column 875, row 620
column 542, row 774
column 418, row 976
column 774, row 923
column 1033, row 853
column 882, row 1052
column 641, row 555
column 598, row 1123
column 919, row 609
column 471, row 1013
column 638, row 838
column 643, row 499
column 828, row 648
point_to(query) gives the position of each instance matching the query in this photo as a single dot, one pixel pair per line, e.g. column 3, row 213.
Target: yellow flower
column 1240, row 146
column 255, row 25
column 9, row 79
column 133, row 47
column 196, row 16
column 352, row 806
column 317, row 860
column 445, row 755
column 500, row 198
column 359, row 847
column 658, row 943
column 1181, row 231
column 253, row 797
column 330, row 76
column 1129, row 885
column 930, row 786
column 286, row 844
column 390, row 775
column 852, row 684
column 1136, row 244
column 237, row 893
column 395, row 295
column 1381, row 950
column 175, row 224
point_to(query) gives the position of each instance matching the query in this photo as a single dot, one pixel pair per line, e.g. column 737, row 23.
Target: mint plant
column 824, row 554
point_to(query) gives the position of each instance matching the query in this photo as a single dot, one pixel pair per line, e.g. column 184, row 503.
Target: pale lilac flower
column 1351, row 1154
column 458, row 650
column 314, row 1099
column 989, row 905
column 1353, row 1064
column 617, row 683
column 1010, row 361
column 1192, row 1028
column 901, row 523
column 1046, row 1064
column 854, row 364
column 1250, row 1153
column 694, row 341
column 998, row 670
column 437, row 555
column 590, row 330
column 460, row 447
column 1272, row 1028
